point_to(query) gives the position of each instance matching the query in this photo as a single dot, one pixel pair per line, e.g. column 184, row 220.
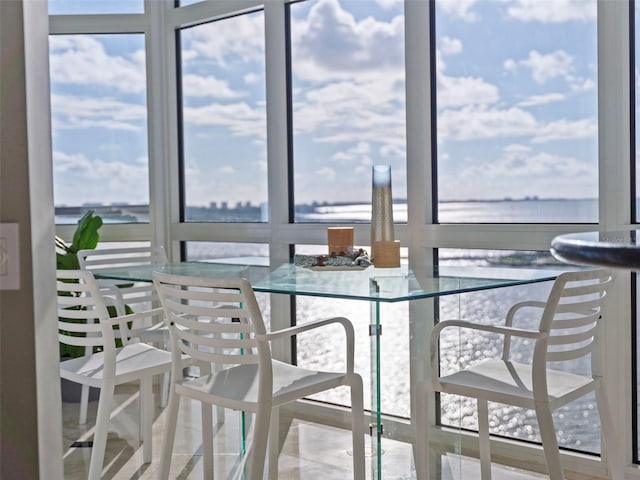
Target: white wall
column 31, row 430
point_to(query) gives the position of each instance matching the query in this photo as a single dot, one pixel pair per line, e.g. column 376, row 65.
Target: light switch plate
column 9, row 257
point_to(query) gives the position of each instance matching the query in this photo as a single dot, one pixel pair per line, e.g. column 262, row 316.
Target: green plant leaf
column 68, row 261
column 86, row 235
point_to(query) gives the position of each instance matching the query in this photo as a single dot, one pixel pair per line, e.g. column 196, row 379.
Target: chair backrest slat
column 576, row 336
column 213, row 320
column 572, row 315
column 120, row 257
column 82, row 312
column 568, row 355
column 138, row 296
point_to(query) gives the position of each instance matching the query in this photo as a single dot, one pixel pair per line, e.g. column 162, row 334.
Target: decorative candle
column 340, row 239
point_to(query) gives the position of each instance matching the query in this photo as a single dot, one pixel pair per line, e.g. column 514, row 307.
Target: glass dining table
column 374, row 285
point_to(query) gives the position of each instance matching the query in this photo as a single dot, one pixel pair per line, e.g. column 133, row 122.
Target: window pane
column 324, row 350
column 99, row 127
column 70, row 7
column 517, row 119
column 224, row 120
column 217, row 250
column 228, row 250
column 577, row 423
column 348, row 106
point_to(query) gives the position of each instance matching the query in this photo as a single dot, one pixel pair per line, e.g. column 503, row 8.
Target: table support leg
column 377, row 428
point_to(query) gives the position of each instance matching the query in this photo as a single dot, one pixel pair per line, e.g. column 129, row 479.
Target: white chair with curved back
column 83, row 320
column 130, row 297
column 569, row 325
column 218, row 321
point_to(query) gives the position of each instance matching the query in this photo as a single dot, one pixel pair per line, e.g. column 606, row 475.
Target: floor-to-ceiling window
column 514, row 159
column 517, row 111
column 517, row 126
column 223, row 130
column 348, row 95
column 99, row 121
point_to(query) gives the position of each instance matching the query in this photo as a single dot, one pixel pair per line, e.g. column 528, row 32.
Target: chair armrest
column 112, row 297
column 520, row 305
column 499, row 329
column 290, row 331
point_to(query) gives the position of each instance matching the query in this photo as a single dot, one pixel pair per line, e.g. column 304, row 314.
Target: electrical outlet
column 9, row 257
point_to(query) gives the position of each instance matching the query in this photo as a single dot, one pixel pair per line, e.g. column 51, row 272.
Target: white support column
column 277, row 154
column 161, row 124
column 614, row 136
column 419, row 182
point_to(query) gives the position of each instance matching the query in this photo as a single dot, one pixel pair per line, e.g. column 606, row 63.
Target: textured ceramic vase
column 381, row 206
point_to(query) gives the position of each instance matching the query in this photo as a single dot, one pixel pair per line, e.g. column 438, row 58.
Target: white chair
column 218, row 321
column 132, row 296
column 83, row 320
column 568, row 330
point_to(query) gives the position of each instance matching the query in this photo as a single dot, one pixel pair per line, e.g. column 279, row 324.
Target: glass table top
column 372, row 284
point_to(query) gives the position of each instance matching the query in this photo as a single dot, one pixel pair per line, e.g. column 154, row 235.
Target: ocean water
column 498, row 211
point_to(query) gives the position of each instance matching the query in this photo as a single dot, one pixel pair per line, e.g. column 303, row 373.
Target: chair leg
column 612, row 449
column 207, row 439
column 84, row 404
column 357, row 427
column 101, row 431
column 164, row 395
column 169, row 434
column 274, row 444
column 146, row 417
column 549, row 440
column 259, row 443
column 484, row 439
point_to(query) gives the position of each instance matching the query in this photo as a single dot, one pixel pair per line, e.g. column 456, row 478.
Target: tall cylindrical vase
column 381, row 207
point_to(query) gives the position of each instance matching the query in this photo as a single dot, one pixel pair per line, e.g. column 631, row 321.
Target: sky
column 516, row 104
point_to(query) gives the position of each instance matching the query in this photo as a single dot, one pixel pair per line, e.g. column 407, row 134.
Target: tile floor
column 309, row 451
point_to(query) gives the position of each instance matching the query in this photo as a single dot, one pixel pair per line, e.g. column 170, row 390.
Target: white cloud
column 83, row 60
column 210, row 86
column 461, row 91
column 579, row 84
column 358, row 154
column 553, row 11
column 510, row 65
column 544, row 67
column 547, row 174
column 543, row 99
column 472, row 123
column 516, row 148
column 212, row 185
column 459, row 9
column 451, row 46
column 227, row 41
column 77, row 177
column 331, row 44
column 389, row 3
column 251, row 78
column 481, row 122
column 241, row 118
column 566, row 130
column 75, row 112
